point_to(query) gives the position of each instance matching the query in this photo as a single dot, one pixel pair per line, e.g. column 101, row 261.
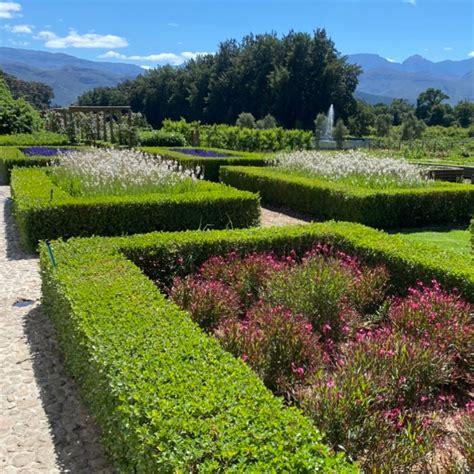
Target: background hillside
column 411, row 77
column 67, row 75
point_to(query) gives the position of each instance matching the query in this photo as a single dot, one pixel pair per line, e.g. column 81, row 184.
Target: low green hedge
column 167, row 397
column 44, row 211
column 34, row 139
column 210, row 166
column 440, row 203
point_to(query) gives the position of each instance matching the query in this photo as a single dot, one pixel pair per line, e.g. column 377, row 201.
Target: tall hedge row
column 440, row 203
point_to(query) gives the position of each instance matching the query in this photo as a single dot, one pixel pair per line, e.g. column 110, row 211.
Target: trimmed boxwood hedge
column 167, row 397
column 210, row 166
column 44, row 211
column 11, row 157
column 472, row 234
column 438, row 204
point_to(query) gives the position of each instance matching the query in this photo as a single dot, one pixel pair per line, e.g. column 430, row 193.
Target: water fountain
column 329, row 124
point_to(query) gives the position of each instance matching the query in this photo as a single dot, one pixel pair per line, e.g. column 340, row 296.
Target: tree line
column 292, row 78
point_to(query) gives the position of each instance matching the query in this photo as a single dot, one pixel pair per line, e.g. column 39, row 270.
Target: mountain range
column 381, row 79
column 67, row 75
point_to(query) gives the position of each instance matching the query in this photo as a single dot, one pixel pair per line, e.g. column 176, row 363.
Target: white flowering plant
column 99, row 172
column 354, row 168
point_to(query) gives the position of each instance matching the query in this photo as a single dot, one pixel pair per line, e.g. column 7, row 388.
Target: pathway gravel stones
column 43, row 425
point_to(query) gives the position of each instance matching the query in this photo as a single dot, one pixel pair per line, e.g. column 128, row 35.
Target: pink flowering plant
column 375, row 373
column 279, row 345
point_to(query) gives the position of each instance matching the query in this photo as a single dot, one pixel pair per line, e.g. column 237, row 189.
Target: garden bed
column 165, row 394
column 208, row 160
column 322, row 199
column 43, row 210
column 24, row 157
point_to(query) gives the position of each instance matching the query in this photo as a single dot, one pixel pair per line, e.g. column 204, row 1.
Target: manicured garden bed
column 165, row 394
column 437, row 203
column 208, row 160
column 11, row 157
column 43, row 210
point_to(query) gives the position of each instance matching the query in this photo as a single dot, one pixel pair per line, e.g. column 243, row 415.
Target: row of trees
column 293, row 78
column 39, row 95
column 429, row 110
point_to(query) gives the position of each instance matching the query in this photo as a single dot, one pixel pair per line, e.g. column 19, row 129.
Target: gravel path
column 273, row 216
column 43, row 425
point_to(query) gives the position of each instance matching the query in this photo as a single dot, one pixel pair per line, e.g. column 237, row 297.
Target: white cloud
column 448, row 48
column 471, row 54
column 144, row 66
column 174, row 25
column 411, row 2
column 19, row 29
column 87, row 40
column 164, row 58
column 9, row 9
column 390, row 60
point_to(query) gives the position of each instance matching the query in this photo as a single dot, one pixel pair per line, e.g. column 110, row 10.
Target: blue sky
column 147, row 32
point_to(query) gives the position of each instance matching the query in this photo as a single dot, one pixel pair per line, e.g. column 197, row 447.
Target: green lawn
column 455, row 240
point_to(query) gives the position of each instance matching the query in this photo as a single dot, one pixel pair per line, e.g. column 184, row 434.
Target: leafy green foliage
column 413, row 207
column 36, row 138
column 209, row 166
column 16, row 115
column 45, row 211
column 167, row 397
column 38, row 94
column 238, row 138
column 161, row 138
column 245, row 120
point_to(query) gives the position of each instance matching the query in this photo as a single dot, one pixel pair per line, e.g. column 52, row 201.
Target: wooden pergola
column 110, row 110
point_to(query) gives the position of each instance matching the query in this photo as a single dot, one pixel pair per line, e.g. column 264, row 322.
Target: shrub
column 390, row 208
column 45, row 211
column 245, row 120
column 431, row 314
column 33, row 139
column 16, row 115
column 161, row 138
column 278, row 344
column 202, row 159
column 247, row 276
column 324, row 290
column 167, row 397
column 238, row 138
column 208, row 302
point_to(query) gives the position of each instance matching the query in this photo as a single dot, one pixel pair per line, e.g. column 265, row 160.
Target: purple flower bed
column 44, row 151
column 202, row 153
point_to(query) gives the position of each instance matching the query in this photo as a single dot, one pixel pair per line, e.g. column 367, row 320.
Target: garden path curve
column 43, row 425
